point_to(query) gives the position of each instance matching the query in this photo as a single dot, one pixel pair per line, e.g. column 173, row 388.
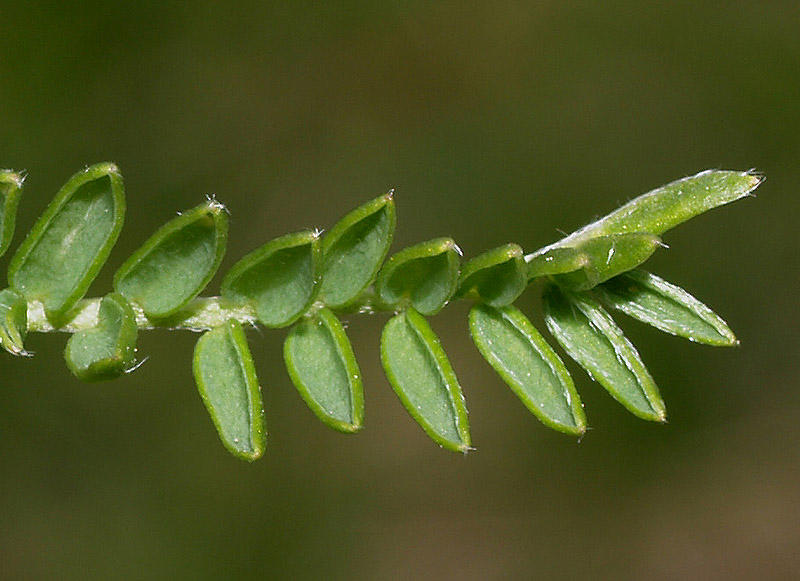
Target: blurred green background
column 495, row 122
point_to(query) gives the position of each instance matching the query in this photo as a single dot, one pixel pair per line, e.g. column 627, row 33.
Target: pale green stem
column 201, row 314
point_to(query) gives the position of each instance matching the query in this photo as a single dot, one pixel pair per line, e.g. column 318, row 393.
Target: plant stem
column 201, row 314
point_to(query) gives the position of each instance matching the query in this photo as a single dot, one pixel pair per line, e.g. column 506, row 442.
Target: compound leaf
column 530, row 367
column 591, row 337
column 177, row 262
column 667, row 307
column 69, row 243
column 226, row 378
column 421, row 375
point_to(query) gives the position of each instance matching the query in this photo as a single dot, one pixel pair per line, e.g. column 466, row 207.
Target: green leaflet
column 627, row 237
column 421, row 375
column 226, row 378
column 590, row 262
column 530, row 367
column 278, row 279
column 323, row 368
column 654, row 301
column 556, row 260
column 496, row 277
column 13, row 321
column 664, row 208
column 69, row 243
column 591, row 337
column 177, row 262
column 108, row 350
column 10, row 190
column 605, row 257
column 423, row 276
column 354, row 249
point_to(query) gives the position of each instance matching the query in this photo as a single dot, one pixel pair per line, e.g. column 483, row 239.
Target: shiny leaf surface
column 323, row 368
column 496, row 277
column 530, row 367
column 667, row 307
column 107, row 351
column 605, row 257
column 664, row 208
column 69, row 243
column 10, row 191
column 423, row 276
column 226, row 378
column 354, row 249
column 177, row 262
column 421, row 375
column 591, row 337
column 13, row 321
column 278, row 280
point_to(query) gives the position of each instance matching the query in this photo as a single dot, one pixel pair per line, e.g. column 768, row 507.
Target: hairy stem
column 201, row 314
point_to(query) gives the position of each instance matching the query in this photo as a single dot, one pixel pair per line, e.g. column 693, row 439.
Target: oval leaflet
column 10, row 191
column 605, row 257
column 279, row 280
column 530, row 367
column 177, row 262
column 13, row 322
column 667, row 307
column 421, row 375
column 354, row 249
column 107, row 351
column 70, row 242
column 226, row 378
column 496, row 277
column 423, row 276
column 591, row 337
column 323, row 368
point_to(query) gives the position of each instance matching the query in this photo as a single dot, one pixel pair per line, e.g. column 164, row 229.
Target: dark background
column 495, row 122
